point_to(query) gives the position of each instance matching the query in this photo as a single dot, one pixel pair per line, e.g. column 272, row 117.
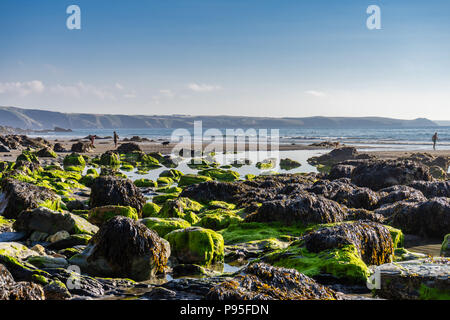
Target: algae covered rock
column 100, row 215
column 128, row 147
column 266, row 164
column 46, row 153
column 145, row 183
column 150, row 209
column 196, row 245
column 289, row 164
column 183, row 208
column 74, row 160
column 110, row 158
column 190, row 179
column 218, row 219
column 48, row 221
column 21, row 196
column 109, row 190
column 124, row 248
column 163, row 226
column 220, row 174
column 260, row 281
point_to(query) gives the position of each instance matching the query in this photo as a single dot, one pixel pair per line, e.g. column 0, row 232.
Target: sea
column 375, row 139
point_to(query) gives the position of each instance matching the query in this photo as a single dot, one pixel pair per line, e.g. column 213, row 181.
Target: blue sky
column 239, row 57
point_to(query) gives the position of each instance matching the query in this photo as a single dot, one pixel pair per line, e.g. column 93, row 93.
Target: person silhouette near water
column 92, row 138
column 435, row 138
column 116, row 139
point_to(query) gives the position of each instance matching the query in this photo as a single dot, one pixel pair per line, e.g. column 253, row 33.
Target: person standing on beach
column 92, row 138
column 116, row 139
column 435, row 137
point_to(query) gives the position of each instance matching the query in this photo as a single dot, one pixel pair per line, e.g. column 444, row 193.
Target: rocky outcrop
column 399, row 193
column 425, row 279
column 381, row 174
column 429, row 218
column 372, row 240
column 110, row 190
column 81, row 147
column 124, row 248
column 128, row 147
column 432, row 189
column 338, row 155
column 19, row 196
column 346, row 193
column 306, row 208
column 261, row 281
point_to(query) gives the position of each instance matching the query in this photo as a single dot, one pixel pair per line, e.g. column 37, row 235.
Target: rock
column 60, row 235
column 363, row 214
column 438, row 173
column 340, row 170
column 76, row 205
column 21, row 196
column 399, row 193
column 4, row 148
column 145, row 183
column 429, row 160
column 128, row 148
column 445, row 249
column 150, row 209
column 110, row 158
column 58, row 147
column 381, row 174
column 266, row 164
column 289, row 164
column 431, row 189
column 16, row 250
column 218, row 219
column 56, row 290
column 100, row 215
column 45, row 220
column 346, row 193
column 163, row 226
column 124, row 248
column 81, row 147
column 44, row 262
column 425, row 279
column 183, row 208
column 46, row 153
column 74, row 160
column 429, row 218
column 109, row 190
column 336, row 156
column 325, row 144
column 71, row 241
column 220, row 174
column 372, row 240
column 196, row 245
column 190, row 179
column 260, row 281
column 10, row 290
column 306, row 208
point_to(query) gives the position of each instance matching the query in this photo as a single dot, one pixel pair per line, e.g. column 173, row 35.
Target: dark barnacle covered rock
column 305, row 208
column 399, row 193
column 110, row 190
column 381, row 174
column 431, row 189
column 260, row 281
column 124, row 248
column 11, row 290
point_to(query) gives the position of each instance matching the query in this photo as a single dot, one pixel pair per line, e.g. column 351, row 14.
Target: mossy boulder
column 163, row 198
column 74, row 160
column 218, row 219
column 110, row 158
column 163, row 226
column 220, row 174
column 46, row 153
column 172, row 173
column 165, row 181
column 150, row 209
column 289, row 164
column 183, row 208
column 100, row 215
column 196, row 245
column 190, row 179
column 145, row 183
column 266, row 164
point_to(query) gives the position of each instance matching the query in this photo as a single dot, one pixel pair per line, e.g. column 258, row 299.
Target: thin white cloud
column 167, row 93
column 81, row 89
column 316, row 93
column 22, row 88
column 119, row 86
column 203, row 87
